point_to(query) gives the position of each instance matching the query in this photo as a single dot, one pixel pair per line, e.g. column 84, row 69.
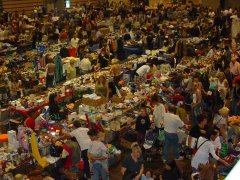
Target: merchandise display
column 80, row 88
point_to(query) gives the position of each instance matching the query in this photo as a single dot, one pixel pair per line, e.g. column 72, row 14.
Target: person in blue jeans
column 98, row 156
column 171, row 124
column 171, row 140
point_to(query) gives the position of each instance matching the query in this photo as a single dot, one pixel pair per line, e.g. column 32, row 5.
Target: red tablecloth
column 26, row 112
column 72, row 52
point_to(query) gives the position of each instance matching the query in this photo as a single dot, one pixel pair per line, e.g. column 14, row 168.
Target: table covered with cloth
column 28, row 111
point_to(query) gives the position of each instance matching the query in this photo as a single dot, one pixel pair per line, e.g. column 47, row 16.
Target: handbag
column 161, row 136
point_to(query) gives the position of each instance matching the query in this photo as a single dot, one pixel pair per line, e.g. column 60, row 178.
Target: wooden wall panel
column 20, row 5
column 74, row 2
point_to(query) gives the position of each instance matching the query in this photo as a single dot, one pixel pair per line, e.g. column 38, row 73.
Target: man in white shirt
column 98, row 34
column 85, row 65
column 171, row 124
column 143, row 70
column 81, row 135
column 158, row 112
column 212, row 52
column 74, row 41
column 234, row 67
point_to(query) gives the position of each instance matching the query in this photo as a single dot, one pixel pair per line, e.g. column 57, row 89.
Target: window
column 67, row 3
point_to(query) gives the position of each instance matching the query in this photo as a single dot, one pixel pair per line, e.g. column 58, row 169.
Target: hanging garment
column 59, row 68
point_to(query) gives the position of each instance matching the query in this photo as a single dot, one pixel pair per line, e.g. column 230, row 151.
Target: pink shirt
column 235, row 68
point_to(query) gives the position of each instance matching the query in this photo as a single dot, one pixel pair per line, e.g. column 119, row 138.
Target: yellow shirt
column 71, row 72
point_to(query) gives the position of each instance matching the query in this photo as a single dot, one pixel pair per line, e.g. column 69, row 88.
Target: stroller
column 148, row 145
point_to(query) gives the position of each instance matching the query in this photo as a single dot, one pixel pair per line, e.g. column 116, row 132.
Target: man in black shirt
column 198, row 130
column 142, row 125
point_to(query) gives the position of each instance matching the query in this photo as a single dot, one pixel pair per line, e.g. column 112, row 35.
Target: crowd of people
column 204, row 95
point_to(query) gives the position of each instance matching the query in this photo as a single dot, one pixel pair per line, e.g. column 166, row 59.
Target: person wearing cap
column 220, row 121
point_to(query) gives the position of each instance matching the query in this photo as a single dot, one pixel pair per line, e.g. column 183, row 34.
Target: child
column 147, row 176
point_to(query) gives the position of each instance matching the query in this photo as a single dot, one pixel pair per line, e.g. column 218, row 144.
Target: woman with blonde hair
column 221, row 123
column 115, row 72
column 71, row 70
column 223, row 86
column 133, row 166
column 102, row 87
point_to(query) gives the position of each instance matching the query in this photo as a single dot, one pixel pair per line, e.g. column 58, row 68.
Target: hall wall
column 60, row 4
column 233, row 3
column 20, row 5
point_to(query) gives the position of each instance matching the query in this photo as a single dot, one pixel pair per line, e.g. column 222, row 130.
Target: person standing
column 197, row 130
column 50, row 73
column 85, row 65
column 102, row 87
column 158, row 112
column 234, row 67
column 142, row 125
column 81, row 134
column 196, row 105
column 115, row 71
column 171, row 124
column 76, row 154
column 98, row 156
column 71, row 70
column 74, row 41
column 205, row 147
column 221, row 123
